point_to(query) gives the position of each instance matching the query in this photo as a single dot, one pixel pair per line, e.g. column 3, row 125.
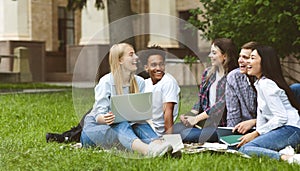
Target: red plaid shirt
column 217, row 112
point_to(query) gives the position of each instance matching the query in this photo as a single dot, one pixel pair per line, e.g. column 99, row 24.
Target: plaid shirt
column 217, row 112
column 240, row 98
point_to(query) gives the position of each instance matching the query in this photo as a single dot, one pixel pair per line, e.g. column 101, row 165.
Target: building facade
column 56, row 38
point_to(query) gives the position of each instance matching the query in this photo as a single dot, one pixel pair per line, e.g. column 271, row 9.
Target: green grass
column 26, row 118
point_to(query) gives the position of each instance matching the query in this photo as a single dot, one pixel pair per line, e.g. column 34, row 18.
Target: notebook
column 224, row 131
column 231, row 140
column 132, row 107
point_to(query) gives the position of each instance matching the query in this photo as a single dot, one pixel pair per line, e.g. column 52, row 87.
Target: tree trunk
column 122, row 31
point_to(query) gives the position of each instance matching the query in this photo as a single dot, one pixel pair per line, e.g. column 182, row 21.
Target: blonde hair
column 116, row 52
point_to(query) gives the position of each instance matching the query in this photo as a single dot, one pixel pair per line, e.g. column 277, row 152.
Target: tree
column 272, row 22
column 117, row 9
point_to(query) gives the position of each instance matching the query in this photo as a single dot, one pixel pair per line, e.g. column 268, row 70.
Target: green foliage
column 190, row 60
column 25, row 119
column 272, row 22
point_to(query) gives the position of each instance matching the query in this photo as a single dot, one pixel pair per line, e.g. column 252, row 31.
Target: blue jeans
column 195, row 135
column 296, row 91
column 270, row 143
column 116, row 135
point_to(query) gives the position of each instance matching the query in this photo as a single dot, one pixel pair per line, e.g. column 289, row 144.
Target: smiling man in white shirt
column 164, row 87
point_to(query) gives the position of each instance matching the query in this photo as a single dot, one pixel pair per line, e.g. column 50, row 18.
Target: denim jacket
column 105, row 89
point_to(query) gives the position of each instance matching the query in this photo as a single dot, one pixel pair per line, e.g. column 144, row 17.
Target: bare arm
column 168, row 117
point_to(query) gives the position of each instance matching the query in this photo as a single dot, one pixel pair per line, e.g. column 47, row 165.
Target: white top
column 273, row 107
column 166, row 90
column 213, row 90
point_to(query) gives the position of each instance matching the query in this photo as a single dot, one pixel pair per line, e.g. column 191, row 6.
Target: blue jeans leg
column 296, row 91
column 270, row 143
column 108, row 136
column 99, row 135
column 86, row 141
column 125, row 133
column 144, row 132
column 195, row 135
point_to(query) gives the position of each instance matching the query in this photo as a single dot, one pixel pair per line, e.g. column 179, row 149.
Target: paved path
column 50, row 90
column 31, row 91
column 73, row 84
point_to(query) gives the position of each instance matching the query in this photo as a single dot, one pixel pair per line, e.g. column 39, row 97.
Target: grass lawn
column 26, row 118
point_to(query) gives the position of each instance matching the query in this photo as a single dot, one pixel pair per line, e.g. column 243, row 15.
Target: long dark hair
column 229, row 49
column 271, row 68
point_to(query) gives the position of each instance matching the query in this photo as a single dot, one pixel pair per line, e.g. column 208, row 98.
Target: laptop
column 132, row 107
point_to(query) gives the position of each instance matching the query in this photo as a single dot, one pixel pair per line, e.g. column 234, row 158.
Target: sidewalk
column 31, row 91
column 50, row 90
column 73, row 84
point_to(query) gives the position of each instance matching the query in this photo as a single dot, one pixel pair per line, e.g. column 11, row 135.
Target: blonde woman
column 99, row 127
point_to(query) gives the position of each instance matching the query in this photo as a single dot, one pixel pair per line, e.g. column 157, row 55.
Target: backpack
column 72, row 135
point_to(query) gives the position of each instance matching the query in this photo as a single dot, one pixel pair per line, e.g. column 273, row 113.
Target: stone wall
column 184, row 5
column 36, row 55
column 44, row 22
column 185, row 74
column 83, row 61
column 291, row 69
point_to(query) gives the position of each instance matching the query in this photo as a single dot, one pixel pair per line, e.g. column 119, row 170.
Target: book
column 224, row 131
column 231, row 140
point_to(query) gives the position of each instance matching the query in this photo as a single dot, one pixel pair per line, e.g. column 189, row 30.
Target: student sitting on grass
column 164, row 87
column 99, row 127
column 278, row 122
column 211, row 103
column 240, row 94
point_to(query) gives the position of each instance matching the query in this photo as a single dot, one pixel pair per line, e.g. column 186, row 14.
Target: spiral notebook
column 132, row 107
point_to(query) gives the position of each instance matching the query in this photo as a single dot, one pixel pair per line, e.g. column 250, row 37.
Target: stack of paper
column 175, row 140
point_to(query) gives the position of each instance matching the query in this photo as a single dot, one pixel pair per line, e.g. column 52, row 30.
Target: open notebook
column 132, row 107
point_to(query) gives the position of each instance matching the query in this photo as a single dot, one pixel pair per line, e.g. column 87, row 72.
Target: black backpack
column 72, row 135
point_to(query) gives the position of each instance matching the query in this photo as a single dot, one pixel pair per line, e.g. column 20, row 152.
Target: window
column 65, row 28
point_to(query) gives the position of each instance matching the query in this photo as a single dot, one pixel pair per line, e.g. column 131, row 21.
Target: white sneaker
column 294, row 159
column 157, row 150
column 288, row 150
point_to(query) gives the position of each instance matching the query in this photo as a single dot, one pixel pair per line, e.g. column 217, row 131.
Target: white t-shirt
column 213, row 90
column 166, row 90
